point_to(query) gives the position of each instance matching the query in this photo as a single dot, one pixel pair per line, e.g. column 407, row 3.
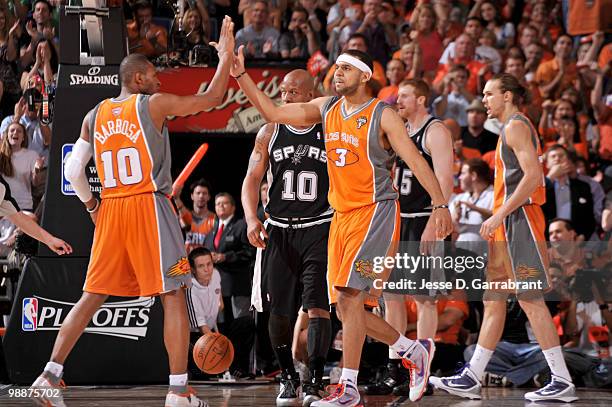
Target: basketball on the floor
column 213, row 353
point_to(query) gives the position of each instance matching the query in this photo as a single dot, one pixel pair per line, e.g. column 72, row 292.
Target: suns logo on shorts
column 180, row 268
column 365, row 268
column 361, row 121
column 525, row 272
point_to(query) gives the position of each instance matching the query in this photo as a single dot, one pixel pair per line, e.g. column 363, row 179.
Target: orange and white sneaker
column 47, row 394
column 187, row 399
column 346, row 394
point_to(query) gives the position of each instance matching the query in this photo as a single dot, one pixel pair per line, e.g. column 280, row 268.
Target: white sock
column 401, row 345
column 393, row 355
column 554, row 357
column 479, row 361
column 54, row 368
column 349, row 375
column 178, row 379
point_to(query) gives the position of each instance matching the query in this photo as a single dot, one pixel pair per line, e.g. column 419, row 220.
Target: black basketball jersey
column 413, row 197
column 297, row 174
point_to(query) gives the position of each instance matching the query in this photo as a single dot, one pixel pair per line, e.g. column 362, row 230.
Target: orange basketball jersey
column 359, row 168
column 508, row 172
column 132, row 157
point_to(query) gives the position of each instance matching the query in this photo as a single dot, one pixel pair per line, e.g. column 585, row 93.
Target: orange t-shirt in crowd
column 605, row 55
column 605, row 138
column 473, row 66
column 451, row 334
column 548, row 70
column 388, row 94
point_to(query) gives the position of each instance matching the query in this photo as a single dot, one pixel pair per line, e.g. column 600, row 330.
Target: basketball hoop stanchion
column 117, row 345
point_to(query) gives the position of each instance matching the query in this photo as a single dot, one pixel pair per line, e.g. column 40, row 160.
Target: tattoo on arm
column 261, row 145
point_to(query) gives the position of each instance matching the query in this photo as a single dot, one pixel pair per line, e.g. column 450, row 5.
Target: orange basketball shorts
column 358, row 240
column 517, row 252
column 138, row 248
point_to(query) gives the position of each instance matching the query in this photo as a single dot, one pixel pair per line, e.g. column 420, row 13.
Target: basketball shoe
column 464, row 384
column 176, row 398
column 418, row 359
column 558, row 389
column 47, row 391
column 289, row 392
column 345, row 395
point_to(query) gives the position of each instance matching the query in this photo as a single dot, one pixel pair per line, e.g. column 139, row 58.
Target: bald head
column 131, row 65
column 297, row 87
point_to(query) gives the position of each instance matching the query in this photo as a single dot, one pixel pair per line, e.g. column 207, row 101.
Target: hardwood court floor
column 264, row 395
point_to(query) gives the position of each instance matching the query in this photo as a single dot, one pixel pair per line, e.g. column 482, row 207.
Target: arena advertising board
column 116, row 345
column 235, row 114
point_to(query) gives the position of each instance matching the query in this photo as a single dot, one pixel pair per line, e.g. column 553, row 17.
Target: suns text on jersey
column 342, row 136
column 118, row 126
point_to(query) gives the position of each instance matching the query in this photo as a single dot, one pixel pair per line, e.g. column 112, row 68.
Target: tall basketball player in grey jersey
column 434, row 142
column 294, row 265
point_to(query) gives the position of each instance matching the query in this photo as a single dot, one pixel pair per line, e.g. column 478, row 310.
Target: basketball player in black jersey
column 294, row 264
column 434, row 142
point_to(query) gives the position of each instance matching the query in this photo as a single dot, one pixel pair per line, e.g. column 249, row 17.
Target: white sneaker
column 464, row 384
column 558, row 389
column 346, row 394
column 45, row 393
column 418, row 360
column 188, row 399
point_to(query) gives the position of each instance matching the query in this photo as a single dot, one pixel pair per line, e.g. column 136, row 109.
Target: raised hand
column 226, row 43
column 238, row 64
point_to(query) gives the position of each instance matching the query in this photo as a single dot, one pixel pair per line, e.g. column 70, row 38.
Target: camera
column 200, row 55
column 32, row 97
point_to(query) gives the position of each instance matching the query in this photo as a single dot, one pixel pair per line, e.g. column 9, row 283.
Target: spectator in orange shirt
column 452, row 311
column 145, row 37
column 559, row 73
column 396, row 72
column 465, row 48
column 602, row 107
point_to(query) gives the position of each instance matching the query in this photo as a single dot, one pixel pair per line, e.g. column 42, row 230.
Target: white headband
column 351, row 60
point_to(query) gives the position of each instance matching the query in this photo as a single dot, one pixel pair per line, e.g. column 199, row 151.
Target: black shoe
column 396, row 375
column 313, row 391
column 289, row 392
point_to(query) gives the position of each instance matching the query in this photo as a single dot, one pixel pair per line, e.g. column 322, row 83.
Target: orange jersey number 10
column 128, row 167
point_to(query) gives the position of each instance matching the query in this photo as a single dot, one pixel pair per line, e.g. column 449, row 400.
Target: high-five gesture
column 238, row 64
column 226, row 38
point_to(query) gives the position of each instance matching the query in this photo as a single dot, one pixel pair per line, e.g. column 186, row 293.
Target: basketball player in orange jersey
column 361, row 135
column 517, row 249
column 433, row 140
column 137, row 248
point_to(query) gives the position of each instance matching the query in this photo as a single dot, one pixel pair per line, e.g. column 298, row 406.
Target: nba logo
column 29, row 321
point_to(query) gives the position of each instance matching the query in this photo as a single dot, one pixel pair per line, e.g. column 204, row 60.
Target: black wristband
column 238, row 76
column 439, row 207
